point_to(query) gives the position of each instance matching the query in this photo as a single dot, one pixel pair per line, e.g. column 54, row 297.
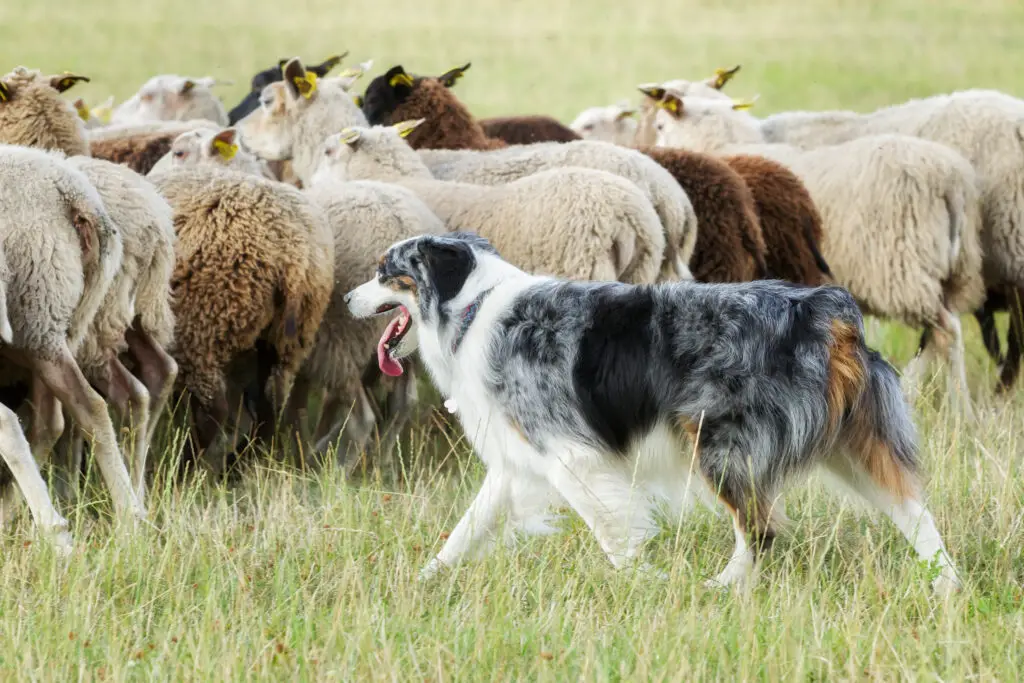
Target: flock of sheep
column 172, row 248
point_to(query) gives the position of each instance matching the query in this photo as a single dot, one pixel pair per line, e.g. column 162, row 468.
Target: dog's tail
column 872, row 417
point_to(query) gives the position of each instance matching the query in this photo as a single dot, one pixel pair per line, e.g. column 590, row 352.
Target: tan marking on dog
column 885, row 470
column 846, row 373
column 402, row 283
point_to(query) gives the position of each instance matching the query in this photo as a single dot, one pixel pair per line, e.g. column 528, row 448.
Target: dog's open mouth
column 388, row 343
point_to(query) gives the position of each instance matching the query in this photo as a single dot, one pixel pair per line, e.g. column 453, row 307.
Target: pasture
column 284, row 575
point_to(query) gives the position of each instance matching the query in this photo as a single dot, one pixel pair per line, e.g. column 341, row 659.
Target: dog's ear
column 448, row 264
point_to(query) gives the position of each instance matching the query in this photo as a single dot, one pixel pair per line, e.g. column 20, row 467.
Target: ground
column 288, row 575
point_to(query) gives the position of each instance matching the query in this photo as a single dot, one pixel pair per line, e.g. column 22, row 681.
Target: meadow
column 290, row 575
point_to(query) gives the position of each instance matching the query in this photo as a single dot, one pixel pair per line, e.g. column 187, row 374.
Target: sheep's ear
column 224, row 145
column 397, row 77
column 672, row 103
column 300, row 82
column 740, row 104
column 625, row 113
column 324, row 67
column 210, row 81
column 186, row 87
column 652, row 90
column 82, row 108
column 104, row 110
column 358, row 99
column 5, row 93
column 349, row 136
column 406, row 127
column 65, row 81
column 722, row 76
column 451, row 77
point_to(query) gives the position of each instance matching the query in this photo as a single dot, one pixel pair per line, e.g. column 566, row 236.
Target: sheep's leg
column 1014, row 340
column 296, row 414
column 209, row 424
column 67, row 460
column 400, row 404
column 65, row 379
column 355, row 431
column 15, row 451
column 989, row 334
column 157, row 370
column 953, row 344
column 913, row 374
column 132, row 401
column 47, row 420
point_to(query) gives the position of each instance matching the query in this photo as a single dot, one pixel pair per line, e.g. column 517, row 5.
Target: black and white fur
column 588, row 393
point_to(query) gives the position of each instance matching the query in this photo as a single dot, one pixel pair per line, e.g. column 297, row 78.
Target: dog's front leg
column 476, row 525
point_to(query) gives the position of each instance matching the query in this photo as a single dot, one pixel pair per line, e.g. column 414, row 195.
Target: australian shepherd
column 611, row 397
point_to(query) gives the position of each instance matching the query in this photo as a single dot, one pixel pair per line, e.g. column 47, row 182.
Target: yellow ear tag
column 358, row 99
column 744, row 105
column 348, row 136
column 306, row 84
column 226, row 150
column 670, row 104
column 722, row 76
column 402, row 78
column 628, row 113
column 350, row 71
column 83, row 109
column 3, row 92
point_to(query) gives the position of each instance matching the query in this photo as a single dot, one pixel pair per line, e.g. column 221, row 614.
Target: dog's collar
column 468, row 314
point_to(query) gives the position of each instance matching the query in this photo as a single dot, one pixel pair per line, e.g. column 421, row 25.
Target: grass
column 291, row 576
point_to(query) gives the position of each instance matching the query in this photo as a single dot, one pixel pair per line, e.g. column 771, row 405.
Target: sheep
column 217, row 147
column 254, row 273
column 169, row 97
column 294, row 117
column 32, row 113
column 94, row 117
column 573, row 222
column 135, row 318
column 913, row 202
column 525, row 130
column 63, row 250
column 454, row 127
column 790, row 222
column 985, row 127
column 141, row 146
column 274, row 74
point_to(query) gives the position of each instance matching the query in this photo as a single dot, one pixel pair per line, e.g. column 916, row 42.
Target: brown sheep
column 526, row 130
column 254, row 273
column 789, row 219
column 730, row 246
column 41, row 118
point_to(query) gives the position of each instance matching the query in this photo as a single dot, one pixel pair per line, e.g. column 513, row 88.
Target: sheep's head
column 207, row 147
column 275, row 74
column 33, row 113
column 695, row 122
column 173, row 98
column 710, row 87
column 615, row 123
column 368, row 153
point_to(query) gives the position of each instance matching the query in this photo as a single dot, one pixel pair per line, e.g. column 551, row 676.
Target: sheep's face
column 361, row 153
column 614, row 123
column 421, row 278
column 33, row 113
column 270, row 130
column 385, row 93
column 207, row 147
column 270, row 75
column 172, row 98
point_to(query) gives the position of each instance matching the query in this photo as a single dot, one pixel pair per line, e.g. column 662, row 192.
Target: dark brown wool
column 448, row 124
column 527, row 130
column 138, row 152
column 730, row 246
column 789, row 219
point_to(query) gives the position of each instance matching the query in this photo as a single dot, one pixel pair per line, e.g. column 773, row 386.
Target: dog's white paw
column 736, row 573
column 431, row 570
column 946, row 583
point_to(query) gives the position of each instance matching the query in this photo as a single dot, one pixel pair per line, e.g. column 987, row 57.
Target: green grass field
column 288, row 577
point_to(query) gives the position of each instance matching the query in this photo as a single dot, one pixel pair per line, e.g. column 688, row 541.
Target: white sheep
column 169, row 97
column 63, row 251
column 569, row 222
column 902, row 219
column 212, row 146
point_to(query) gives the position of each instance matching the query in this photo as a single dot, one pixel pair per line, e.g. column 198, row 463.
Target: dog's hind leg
column 617, row 510
column 894, row 494
column 473, row 535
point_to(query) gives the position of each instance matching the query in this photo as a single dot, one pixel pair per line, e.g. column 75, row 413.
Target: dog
column 593, row 394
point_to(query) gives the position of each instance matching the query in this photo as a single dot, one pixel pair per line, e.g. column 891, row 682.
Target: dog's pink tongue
column 388, row 365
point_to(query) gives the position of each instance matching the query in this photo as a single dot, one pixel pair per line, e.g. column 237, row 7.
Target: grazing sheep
column 790, row 222
column 274, row 74
column 294, row 117
column 254, row 273
column 169, row 97
column 526, row 130
column 573, row 222
column 33, row 114
column 901, row 215
column 63, row 250
column 453, row 127
column 135, row 318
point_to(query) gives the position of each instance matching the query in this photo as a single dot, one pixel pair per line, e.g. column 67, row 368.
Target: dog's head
column 419, row 277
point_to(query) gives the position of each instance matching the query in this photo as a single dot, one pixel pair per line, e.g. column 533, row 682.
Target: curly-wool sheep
column 63, row 250
column 169, row 97
column 295, row 116
column 33, row 114
column 902, row 218
column 275, row 74
column 575, row 223
column 254, row 271
column 790, row 222
column 526, row 130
